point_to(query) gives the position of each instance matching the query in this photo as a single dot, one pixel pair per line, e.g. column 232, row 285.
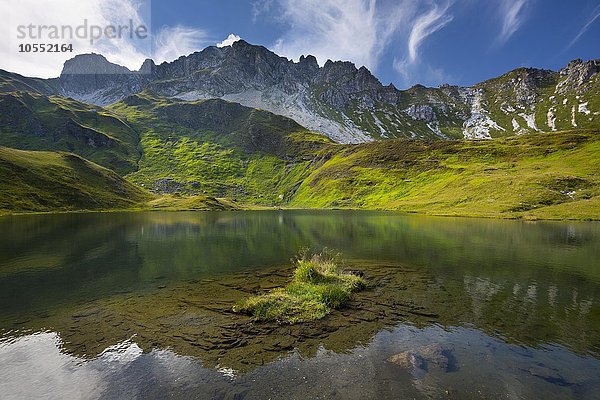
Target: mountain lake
column 139, row 305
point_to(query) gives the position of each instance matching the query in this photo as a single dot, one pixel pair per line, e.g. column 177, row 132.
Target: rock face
column 576, row 76
column 421, row 113
column 93, row 79
column 346, row 103
column 479, row 124
column 167, row 185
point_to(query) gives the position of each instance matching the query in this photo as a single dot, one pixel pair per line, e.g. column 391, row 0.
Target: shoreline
column 245, row 207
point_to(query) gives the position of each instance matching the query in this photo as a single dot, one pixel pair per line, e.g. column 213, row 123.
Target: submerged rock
column 360, row 274
column 550, row 375
column 434, row 353
column 411, row 362
column 417, row 362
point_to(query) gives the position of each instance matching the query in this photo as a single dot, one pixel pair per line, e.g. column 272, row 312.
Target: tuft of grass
column 318, row 286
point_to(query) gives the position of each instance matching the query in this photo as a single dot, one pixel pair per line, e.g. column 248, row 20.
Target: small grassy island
column 318, row 286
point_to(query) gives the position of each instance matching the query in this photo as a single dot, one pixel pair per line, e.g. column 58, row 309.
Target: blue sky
column 404, row 42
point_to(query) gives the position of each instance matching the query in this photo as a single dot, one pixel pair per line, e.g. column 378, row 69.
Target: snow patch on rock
column 379, row 124
column 583, row 108
column 479, row 123
column 507, row 109
column 517, row 127
column 530, row 120
column 551, row 119
column 435, row 128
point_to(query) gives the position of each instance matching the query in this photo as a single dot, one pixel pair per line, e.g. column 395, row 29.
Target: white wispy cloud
column 172, row 42
column 425, row 24
column 354, row 30
column 260, row 7
column 411, row 68
column 513, row 14
column 361, row 31
column 128, row 50
column 231, row 39
column 593, row 17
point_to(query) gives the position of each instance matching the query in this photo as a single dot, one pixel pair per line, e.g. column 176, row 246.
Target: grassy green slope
column 37, row 181
column 213, row 149
column 217, row 148
column 11, row 82
column 224, row 149
column 31, row 121
column 550, row 176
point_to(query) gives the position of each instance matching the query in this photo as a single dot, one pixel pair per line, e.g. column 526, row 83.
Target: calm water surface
column 136, row 305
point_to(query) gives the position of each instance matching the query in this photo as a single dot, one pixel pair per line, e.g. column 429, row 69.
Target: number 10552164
column 45, row 48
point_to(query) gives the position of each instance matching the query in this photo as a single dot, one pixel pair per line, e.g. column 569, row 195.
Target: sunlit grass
column 318, row 286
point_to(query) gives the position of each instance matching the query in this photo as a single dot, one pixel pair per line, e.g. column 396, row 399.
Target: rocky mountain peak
column 334, row 70
column 577, row 75
column 308, row 64
column 526, row 83
column 520, row 86
column 245, row 53
column 94, row 79
column 148, row 67
column 92, row 64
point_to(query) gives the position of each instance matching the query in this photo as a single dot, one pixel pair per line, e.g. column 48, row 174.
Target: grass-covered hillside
column 32, row 121
column 213, row 154
column 553, row 175
column 11, row 82
column 38, row 181
column 217, row 148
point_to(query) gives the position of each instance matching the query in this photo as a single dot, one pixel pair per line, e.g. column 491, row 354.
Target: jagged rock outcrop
column 93, row 79
column 421, row 113
column 577, row 75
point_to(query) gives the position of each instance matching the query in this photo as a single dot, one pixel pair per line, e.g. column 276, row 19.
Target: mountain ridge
column 346, row 103
column 196, row 154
